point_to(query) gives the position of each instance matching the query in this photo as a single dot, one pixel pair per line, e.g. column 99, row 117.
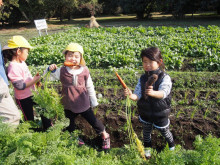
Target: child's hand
column 52, row 67
column 152, row 93
column 36, row 77
column 149, row 91
column 127, row 91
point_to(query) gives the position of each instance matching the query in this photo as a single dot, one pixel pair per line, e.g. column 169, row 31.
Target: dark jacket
column 152, row 109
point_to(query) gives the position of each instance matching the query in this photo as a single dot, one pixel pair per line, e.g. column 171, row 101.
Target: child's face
column 22, row 54
column 73, row 57
column 150, row 65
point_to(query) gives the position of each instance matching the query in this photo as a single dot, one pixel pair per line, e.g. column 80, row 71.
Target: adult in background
column 8, row 110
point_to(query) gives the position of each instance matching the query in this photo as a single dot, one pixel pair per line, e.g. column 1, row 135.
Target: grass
column 28, row 31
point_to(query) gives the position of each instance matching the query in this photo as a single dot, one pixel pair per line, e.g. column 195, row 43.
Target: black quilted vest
column 152, row 109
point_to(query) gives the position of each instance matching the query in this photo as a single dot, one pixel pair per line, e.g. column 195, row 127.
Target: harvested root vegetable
column 151, row 80
column 67, row 63
column 121, row 81
column 38, row 84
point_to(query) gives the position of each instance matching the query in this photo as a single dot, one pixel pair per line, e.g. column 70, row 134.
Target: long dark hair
column 8, row 54
column 154, row 54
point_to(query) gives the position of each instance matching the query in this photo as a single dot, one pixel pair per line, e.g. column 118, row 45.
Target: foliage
column 135, row 143
column 120, row 47
column 206, row 152
column 48, row 101
column 110, row 6
column 209, row 149
column 62, row 9
column 142, row 8
column 6, row 11
column 14, row 10
column 37, row 11
column 23, row 146
column 178, row 8
column 90, row 8
column 47, row 9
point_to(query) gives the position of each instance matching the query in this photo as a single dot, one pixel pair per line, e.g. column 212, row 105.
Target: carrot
column 67, row 63
column 121, row 81
column 38, row 83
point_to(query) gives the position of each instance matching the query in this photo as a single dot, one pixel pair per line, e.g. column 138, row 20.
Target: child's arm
column 55, row 72
column 19, row 83
column 136, row 95
column 91, row 92
column 163, row 90
column 33, row 81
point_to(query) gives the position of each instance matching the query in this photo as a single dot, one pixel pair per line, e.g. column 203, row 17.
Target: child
column 17, row 52
column 78, row 94
column 154, row 110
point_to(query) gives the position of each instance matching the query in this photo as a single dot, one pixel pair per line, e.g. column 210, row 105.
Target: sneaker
column 80, row 141
column 148, row 154
column 172, row 148
column 106, row 143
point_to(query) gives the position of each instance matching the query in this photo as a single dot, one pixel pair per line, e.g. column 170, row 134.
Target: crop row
column 195, row 94
column 120, row 47
column 181, row 80
column 23, row 146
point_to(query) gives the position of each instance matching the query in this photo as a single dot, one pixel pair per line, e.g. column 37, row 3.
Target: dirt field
column 184, row 127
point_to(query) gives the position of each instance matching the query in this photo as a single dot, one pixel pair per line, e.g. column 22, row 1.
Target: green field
column 191, row 51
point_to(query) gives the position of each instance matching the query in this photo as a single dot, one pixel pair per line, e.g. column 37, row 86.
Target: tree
column 90, row 7
column 6, row 10
column 32, row 9
column 142, row 8
column 178, row 8
column 36, row 9
column 65, row 8
column 110, row 6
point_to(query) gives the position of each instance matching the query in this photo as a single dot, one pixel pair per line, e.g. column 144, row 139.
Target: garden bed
column 195, row 109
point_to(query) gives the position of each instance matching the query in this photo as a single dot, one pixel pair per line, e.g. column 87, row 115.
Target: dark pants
column 89, row 116
column 26, row 106
column 147, row 129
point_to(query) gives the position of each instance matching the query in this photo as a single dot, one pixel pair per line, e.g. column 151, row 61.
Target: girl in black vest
column 153, row 101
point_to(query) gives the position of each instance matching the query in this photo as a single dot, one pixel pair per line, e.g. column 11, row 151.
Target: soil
column 184, row 127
